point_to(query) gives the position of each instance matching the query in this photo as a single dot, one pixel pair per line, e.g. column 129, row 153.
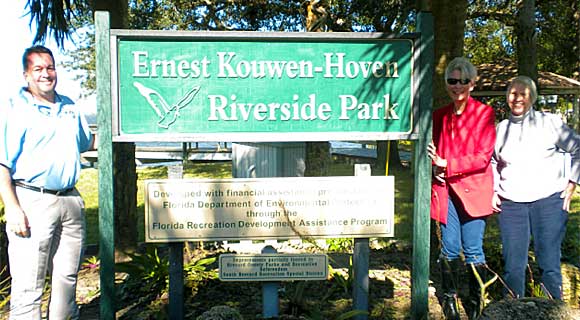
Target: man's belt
column 42, row 190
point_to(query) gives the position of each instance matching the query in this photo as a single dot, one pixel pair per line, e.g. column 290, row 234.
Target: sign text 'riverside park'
column 231, row 88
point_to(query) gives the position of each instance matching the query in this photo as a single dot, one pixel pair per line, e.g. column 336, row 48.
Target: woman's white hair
column 526, row 82
column 463, row 66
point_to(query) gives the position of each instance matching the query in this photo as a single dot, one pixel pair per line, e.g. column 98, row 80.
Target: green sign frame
column 262, row 87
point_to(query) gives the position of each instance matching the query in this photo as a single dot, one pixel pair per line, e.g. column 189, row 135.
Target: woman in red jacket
column 462, row 188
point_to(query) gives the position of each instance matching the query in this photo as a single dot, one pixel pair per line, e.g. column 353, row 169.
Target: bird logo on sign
column 167, row 114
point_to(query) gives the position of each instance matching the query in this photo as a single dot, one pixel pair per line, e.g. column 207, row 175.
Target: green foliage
column 88, row 187
column 487, row 41
column 277, row 15
column 493, row 256
column 91, row 262
column 197, row 273
column 219, row 15
column 296, row 293
column 492, row 244
column 490, row 36
column 151, row 269
column 571, row 243
column 258, row 15
column 221, row 313
column 558, row 37
column 347, row 315
column 297, row 300
column 351, row 314
column 299, row 305
column 489, row 32
column 404, row 191
column 55, row 18
column 4, row 288
column 147, row 280
column 340, row 244
column 536, row 290
column 82, row 59
column 343, row 282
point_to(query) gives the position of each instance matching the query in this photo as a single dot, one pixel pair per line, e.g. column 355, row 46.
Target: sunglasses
column 453, row 81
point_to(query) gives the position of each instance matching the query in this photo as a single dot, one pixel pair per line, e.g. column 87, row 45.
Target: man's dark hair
column 32, row 50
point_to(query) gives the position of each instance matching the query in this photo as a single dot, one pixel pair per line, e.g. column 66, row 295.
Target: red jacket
column 466, row 141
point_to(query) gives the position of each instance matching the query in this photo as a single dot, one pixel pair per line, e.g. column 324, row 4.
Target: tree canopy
column 390, row 16
column 489, row 32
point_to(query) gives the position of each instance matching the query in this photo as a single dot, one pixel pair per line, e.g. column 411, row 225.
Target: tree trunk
column 118, row 11
column 394, row 156
column 125, row 197
column 449, row 20
column 317, row 161
column 380, row 166
column 390, row 148
column 526, row 38
column 124, row 171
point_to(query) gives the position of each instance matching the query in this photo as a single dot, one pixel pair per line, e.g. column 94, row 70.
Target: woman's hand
column 496, row 203
column 567, row 195
column 439, row 164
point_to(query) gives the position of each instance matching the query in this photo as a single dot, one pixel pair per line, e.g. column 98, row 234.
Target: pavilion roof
column 493, row 79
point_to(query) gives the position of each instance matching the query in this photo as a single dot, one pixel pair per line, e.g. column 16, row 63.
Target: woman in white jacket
column 533, row 187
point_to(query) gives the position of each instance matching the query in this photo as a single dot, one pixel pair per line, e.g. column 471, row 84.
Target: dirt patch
column 389, row 293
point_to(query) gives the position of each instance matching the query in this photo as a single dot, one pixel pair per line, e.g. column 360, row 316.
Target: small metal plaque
column 273, row 267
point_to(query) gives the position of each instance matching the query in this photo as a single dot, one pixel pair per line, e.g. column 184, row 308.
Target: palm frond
column 53, row 17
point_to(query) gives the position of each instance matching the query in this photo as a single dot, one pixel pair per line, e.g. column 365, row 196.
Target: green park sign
column 228, row 86
column 262, row 87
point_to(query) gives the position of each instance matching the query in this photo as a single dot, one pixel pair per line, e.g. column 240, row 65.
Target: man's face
column 40, row 75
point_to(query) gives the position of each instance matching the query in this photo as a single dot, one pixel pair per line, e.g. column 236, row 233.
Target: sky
column 17, row 36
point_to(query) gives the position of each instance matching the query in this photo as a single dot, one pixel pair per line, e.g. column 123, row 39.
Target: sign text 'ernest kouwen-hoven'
column 273, row 88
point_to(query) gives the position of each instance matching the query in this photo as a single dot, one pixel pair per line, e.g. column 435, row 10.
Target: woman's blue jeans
column 545, row 221
column 462, row 232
